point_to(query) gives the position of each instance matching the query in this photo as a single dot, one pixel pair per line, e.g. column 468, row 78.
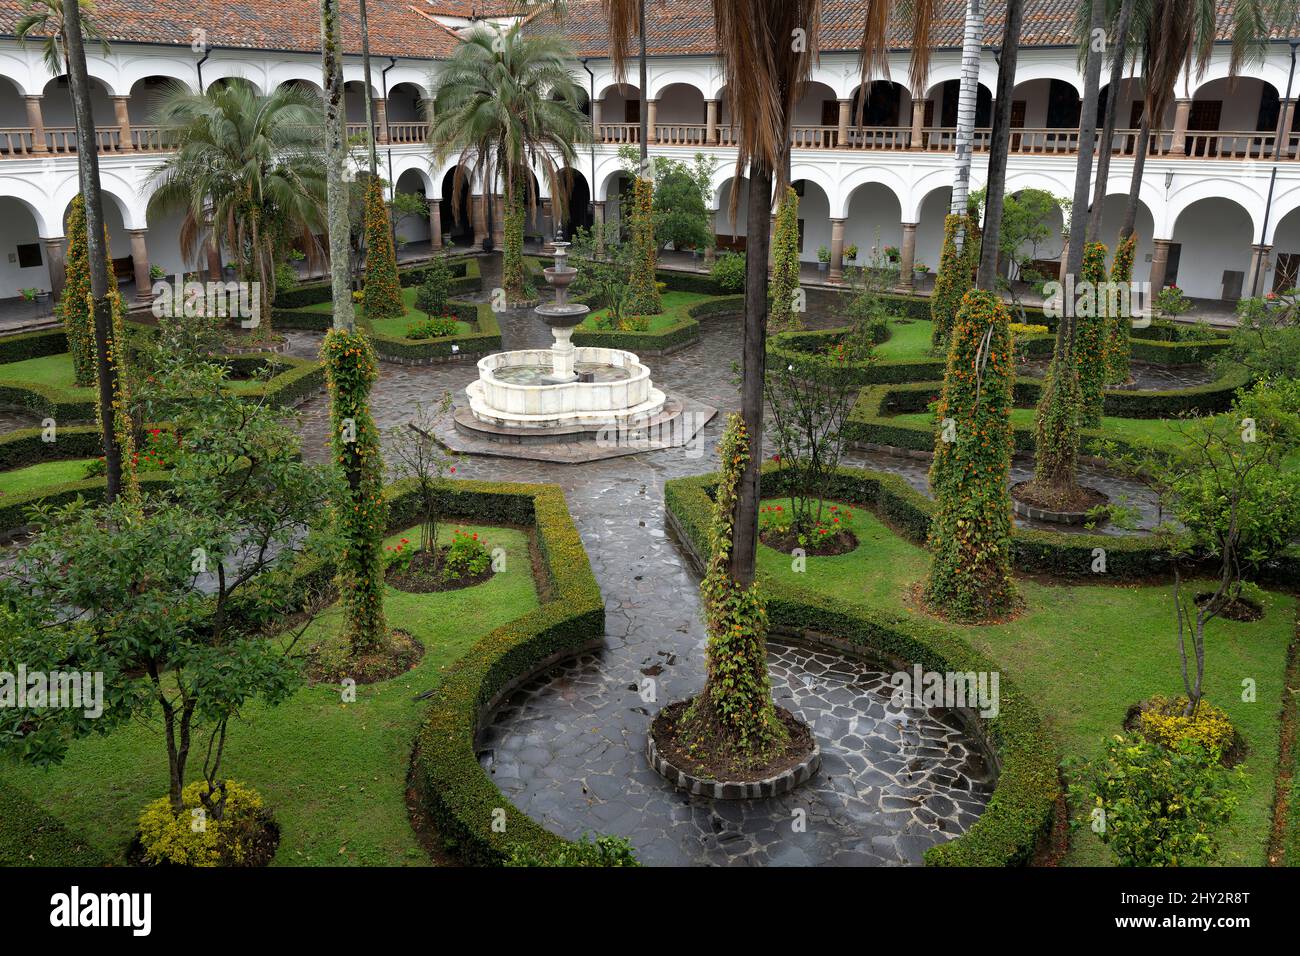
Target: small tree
column 605, row 268
column 680, row 202
column 407, row 206
column 970, row 534
column 1092, row 337
column 1157, row 806
column 172, row 602
column 953, row 281
column 416, row 455
column 383, row 289
column 784, row 312
column 433, row 295
column 1266, row 340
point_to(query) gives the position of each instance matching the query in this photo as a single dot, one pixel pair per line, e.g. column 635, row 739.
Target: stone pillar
column 598, row 219
column 596, row 119
column 381, row 119
column 498, row 222
column 122, row 112
column 1258, row 269
column 55, row 252
column 478, row 217
column 548, row 227
column 842, row 134
column 36, row 120
column 711, row 122
column 214, row 260
column 837, row 250
column 140, row 260
column 1182, row 113
column 918, row 124
column 907, row 259
column 1159, row 264
column 652, row 119
column 1286, row 125
column 435, row 224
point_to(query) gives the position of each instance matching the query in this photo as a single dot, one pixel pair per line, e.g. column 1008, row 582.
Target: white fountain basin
column 565, row 404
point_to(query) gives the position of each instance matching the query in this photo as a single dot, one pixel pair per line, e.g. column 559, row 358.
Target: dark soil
column 424, row 576
column 260, row 853
column 841, row 542
column 1240, row 609
column 335, row 664
column 1079, row 499
column 715, row 764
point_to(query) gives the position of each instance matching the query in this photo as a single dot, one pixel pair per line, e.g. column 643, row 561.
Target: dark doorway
column 457, row 216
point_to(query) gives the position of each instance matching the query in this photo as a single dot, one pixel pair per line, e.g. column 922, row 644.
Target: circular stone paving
column 568, row 749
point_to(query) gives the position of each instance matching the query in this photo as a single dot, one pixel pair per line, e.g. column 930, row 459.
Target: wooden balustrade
column 679, row 135
column 878, row 137
column 400, row 133
column 619, row 133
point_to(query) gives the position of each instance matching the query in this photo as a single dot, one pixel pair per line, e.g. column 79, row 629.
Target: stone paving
column 569, row 748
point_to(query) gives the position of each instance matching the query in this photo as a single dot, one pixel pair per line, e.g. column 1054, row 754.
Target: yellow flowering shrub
column 1163, row 722
column 194, row 838
column 1022, row 328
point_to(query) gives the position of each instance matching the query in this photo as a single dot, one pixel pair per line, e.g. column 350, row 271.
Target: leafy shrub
column 1162, row 722
column 432, row 295
column 1156, row 805
column 1171, row 301
column 1021, row 328
column 432, row 328
column 397, row 557
column 466, row 557
column 729, row 272
column 605, row 851
column 196, row 837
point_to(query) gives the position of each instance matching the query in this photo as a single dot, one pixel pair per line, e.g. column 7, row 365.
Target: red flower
column 453, row 469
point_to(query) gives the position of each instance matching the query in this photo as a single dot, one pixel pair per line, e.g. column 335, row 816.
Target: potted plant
column 823, row 259
column 892, row 253
column 851, row 253
column 921, row 267
column 157, row 272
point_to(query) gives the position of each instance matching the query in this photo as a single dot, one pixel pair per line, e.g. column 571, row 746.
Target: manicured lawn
column 42, row 475
column 676, row 306
column 52, row 370
column 396, row 326
column 1130, row 429
column 334, row 773
column 1084, row 654
column 909, row 340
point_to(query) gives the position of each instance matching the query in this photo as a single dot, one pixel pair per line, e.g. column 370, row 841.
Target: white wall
column 1215, row 236
column 874, row 217
column 19, row 228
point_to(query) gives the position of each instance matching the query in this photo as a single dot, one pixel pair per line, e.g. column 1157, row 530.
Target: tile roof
column 397, row 27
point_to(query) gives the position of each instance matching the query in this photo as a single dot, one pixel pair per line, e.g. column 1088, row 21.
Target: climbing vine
column 1117, row 351
column 970, row 536
column 360, row 514
column 953, row 280
column 78, row 321
column 1092, row 337
column 383, row 298
column 643, row 299
column 738, row 692
column 785, row 266
column 123, row 428
column 512, row 255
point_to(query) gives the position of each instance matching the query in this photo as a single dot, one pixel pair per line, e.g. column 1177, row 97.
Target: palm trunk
column 966, row 105
column 645, row 97
column 1119, row 44
column 370, row 98
column 88, row 170
column 1000, row 146
column 744, row 544
column 1083, row 169
column 1139, row 168
column 336, row 189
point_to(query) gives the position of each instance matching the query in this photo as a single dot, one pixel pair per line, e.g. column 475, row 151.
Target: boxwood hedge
column 685, row 331
column 466, row 278
column 1020, row 809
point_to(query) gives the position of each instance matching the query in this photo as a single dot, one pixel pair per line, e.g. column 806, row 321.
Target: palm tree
column 247, row 163
column 48, row 19
column 999, row 147
column 107, row 369
column 506, row 103
column 369, row 97
column 1116, row 49
column 972, row 44
column 337, row 193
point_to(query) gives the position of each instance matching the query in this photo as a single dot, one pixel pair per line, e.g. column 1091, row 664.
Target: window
column 29, row 255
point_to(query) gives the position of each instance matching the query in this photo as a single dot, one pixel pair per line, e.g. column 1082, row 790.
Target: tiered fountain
column 567, row 394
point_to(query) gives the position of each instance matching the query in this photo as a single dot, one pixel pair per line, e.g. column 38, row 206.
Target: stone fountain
column 567, row 395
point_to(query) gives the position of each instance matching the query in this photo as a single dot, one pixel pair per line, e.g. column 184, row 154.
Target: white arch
column 132, row 201
column 407, row 163
column 1283, row 205
column 1218, row 70
column 136, row 68
column 214, row 71
column 922, row 189
column 37, row 202
column 843, row 197
column 1184, row 196
column 659, row 82
column 1051, row 70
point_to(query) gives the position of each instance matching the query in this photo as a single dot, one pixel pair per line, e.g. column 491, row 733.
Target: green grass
column 676, row 306
column 52, row 370
column 42, row 475
column 907, row 341
column 1084, row 654
column 333, row 773
column 1156, row 430
column 396, row 326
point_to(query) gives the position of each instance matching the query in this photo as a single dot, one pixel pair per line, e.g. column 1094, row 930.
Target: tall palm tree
column 1116, row 49
column 48, row 20
column 336, row 187
column 248, row 164
column 107, row 371
column 364, row 24
column 968, row 99
column 995, row 187
column 505, row 104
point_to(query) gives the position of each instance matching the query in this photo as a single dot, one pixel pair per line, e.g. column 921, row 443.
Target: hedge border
column 399, row 349
column 467, row 277
column 684, row 332
column 452, row 786
column 1021, row 807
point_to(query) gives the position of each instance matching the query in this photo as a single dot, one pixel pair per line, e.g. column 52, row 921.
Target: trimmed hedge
column 458, row 795
column 13, row 508
column 466, row 278
column 30, row 345
column 685, row 331
column 1207, row 399
column 1020, row 809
